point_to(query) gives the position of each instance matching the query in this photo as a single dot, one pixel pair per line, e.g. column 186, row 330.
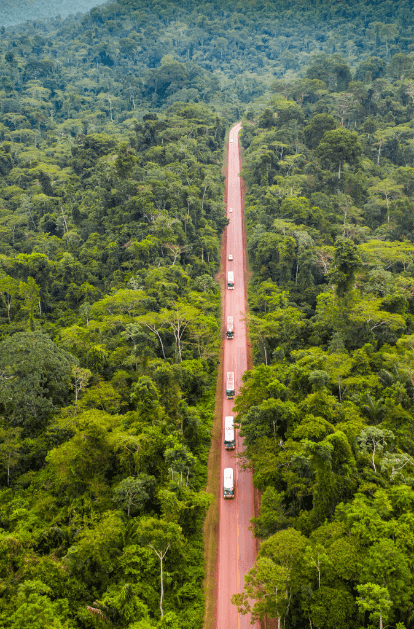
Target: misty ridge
column 13, row 12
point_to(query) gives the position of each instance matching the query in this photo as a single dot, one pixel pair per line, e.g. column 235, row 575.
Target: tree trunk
column 153, row 329
column 265, row 353
column 161, row 343
column 161, row 556
column 179, row 349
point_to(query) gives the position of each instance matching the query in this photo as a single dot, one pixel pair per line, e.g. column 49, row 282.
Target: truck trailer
column 230, row 391
column 229, row 435
column 228, row 485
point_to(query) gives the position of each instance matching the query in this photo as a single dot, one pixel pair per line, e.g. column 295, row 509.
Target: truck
column 228, row 485
column 229, row 437
column 230, row 328
column 230, row 280
column 230, row 392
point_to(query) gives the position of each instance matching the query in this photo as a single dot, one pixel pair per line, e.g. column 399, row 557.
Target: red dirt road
column 236, row 548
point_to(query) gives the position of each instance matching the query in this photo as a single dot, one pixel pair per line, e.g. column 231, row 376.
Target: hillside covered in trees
column 112, row 129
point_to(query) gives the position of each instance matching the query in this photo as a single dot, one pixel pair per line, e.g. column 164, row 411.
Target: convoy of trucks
column 229, row 434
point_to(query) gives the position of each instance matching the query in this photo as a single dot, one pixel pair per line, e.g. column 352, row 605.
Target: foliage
column 326, row 410
column 110, row 225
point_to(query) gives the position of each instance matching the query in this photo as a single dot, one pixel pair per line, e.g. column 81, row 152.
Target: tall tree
column 339, row 146
column 160, row 536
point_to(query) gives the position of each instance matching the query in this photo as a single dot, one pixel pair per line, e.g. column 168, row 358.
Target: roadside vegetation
column 327, row 410
column 110, row 333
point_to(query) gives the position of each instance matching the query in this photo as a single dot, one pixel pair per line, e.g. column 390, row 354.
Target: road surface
column 236, row 551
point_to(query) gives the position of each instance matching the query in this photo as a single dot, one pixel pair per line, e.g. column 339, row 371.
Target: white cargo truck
column 230, row 391
column 230, row 328
column 229, row 436
column 230, row 280
column 228, row 485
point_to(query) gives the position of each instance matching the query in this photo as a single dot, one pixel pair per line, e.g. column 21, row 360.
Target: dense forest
column 327, row 411
column 112, row 130
column 110, row 239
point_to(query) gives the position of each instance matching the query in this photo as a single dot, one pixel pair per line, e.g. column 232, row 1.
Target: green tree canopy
column 35, row 375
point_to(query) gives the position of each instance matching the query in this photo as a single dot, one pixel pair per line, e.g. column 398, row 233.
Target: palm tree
column 374, row 409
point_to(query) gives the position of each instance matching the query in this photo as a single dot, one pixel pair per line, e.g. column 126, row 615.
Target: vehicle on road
column 229, row 436
column 230, row 280
column 231, row 210
column 230, row 257
column 231, row 140
column 230, row 391
column 228, row 485
column 230, row 327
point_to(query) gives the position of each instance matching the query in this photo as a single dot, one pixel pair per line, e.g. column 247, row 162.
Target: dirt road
column 236, row 551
